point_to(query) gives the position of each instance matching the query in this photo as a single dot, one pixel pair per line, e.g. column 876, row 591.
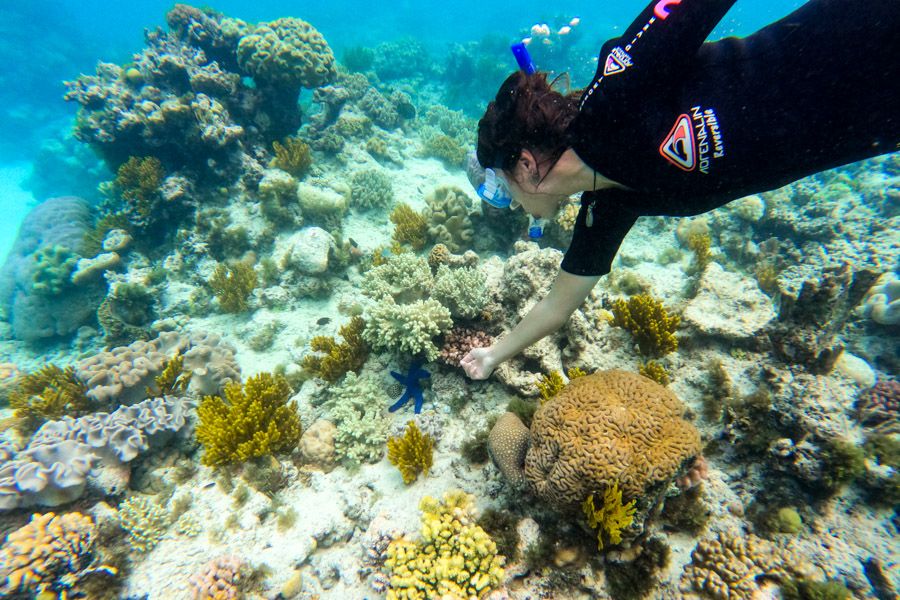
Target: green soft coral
column 453, row 558
column 462, row 291
column 252, row 420
column 407, row 328
column 356, row 406
column 53, row 269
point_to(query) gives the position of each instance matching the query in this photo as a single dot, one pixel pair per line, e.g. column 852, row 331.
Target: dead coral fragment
column 410, row 227
column 412, row 453
column 138, row 181
column 45, row 395
column 251, row 421
column 338, row 359
column 611, row 518
column 232, row 285
column 648, row 321
column 292, row 156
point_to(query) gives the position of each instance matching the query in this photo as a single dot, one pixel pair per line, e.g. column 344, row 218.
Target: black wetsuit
column 688, row 126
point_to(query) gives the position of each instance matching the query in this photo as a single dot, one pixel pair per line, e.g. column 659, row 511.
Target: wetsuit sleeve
column 593, row 248
column 665, row 37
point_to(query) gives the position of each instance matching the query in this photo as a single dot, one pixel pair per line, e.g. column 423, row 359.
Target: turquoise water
column 235, row 295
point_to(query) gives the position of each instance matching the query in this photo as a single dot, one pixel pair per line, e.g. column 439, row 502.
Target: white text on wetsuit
column 706, row 124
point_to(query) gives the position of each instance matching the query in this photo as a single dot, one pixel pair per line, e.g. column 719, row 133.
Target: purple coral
column 879, row 407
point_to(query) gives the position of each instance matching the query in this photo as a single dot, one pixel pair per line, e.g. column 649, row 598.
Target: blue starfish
column 411, row 387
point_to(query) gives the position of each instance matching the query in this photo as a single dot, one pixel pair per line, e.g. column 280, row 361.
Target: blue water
column 45, row 42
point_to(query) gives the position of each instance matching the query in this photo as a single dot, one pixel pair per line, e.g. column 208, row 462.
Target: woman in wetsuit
column 674, row 126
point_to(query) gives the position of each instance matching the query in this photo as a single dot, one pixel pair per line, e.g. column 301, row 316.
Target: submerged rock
column 728, row 305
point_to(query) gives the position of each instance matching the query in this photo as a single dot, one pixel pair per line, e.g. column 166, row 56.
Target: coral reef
column 293, row 156
column 882, row 302
column 53, row 267
column 412, row 453
column 461, row 290
column 655, row 371
column 338, row 358
column 648, row 321
column 286, row 52
column 402, row 277
column 371, row 188
column 447, row 214
column 50, row 556
column 252, row 420
column 355, row 407
column 144, row 521
column 611, row 518
column 138, row 182
column 232, row 285
column 454, row 557
column 508, row 443
column 459, row 340
column 550, row 385
column 407, row 328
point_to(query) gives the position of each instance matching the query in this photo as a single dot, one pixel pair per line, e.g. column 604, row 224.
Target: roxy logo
column 617, row 61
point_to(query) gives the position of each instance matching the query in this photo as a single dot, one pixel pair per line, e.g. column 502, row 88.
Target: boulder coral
column 288, row 52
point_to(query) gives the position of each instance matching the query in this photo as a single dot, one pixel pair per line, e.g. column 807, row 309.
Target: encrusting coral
column 45, row 395
column 48, row 557
column 454, row 558
column 338, row 358
column 648, row 321
column 252, row 420
column 232, row 285
column 412, row 453
column 611, row 518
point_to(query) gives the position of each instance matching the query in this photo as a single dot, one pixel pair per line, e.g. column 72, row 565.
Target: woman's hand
column 479, row 363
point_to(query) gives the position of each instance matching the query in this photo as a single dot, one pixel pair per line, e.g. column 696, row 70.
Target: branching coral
column 252, row 420
column 145, row 521
column 356, row 405
column 648, row 321
column 409, row 226
column 412, row 453
column 407, row 328
column 550, row 385
column 446, row 149
column 48, row 557
column 232, row 285
column 47, row 394
column 611, row 518
column 174, row 379
column 462, row 290
column 292, row 156
column 454, row 558
column 402, row 277
column 699, row 244
column 338, row 358
column 371, row 188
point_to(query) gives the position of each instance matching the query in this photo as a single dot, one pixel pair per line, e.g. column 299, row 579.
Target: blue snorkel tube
column 523, row 58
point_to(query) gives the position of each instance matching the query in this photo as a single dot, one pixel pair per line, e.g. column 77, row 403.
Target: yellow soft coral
column 232, row 285
column 173, row 380
column 550, row 385
column 648, row 321
column 292, row 156
column 47, row 394
column 251, row 421
column 455, row 558
column 655, row 371
column 138, row 180
column 412, row 453
column 410, row 227
column 338, row 359
column 611, row 518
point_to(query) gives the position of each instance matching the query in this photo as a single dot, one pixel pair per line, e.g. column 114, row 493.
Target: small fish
column 575, row 21
column 324, row 321
column 564, row 30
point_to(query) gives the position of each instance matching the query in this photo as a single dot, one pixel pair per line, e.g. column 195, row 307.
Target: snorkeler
column 673, row 126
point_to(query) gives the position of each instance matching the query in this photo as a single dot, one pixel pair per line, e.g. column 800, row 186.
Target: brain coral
column 287, row 51
column 612, row 426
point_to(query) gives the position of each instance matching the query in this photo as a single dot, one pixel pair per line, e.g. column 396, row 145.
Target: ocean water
column 234, row 297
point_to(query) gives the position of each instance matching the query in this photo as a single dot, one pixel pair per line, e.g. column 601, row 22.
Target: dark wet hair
column 526, row 114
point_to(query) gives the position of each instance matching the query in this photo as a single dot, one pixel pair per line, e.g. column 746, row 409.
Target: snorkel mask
column 494, row 190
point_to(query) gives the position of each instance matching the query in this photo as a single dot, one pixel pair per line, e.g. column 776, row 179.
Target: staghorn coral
column 731, row 566
column 409, row 226
column 144, row 521
column 371, row 188
column 293, row 156
column 287, row 52
column 878, row 407
column 47, row 394
column 459, row 341
column 407, row 328
column 611, row 426
column 461, row 290
column 338, row 359
column 412, row 453
column 454, row 558
column 252, row 420
column 220, row 579
column 232, row 285
column 648, row 321
column 447, row 213
column 50, row 556
column 611, row 518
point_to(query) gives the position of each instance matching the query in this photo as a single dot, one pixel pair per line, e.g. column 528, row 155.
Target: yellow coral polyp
column 412, row 453
column 337, row 359
column 648, row 321
column 252, row 420
column 611, row 518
